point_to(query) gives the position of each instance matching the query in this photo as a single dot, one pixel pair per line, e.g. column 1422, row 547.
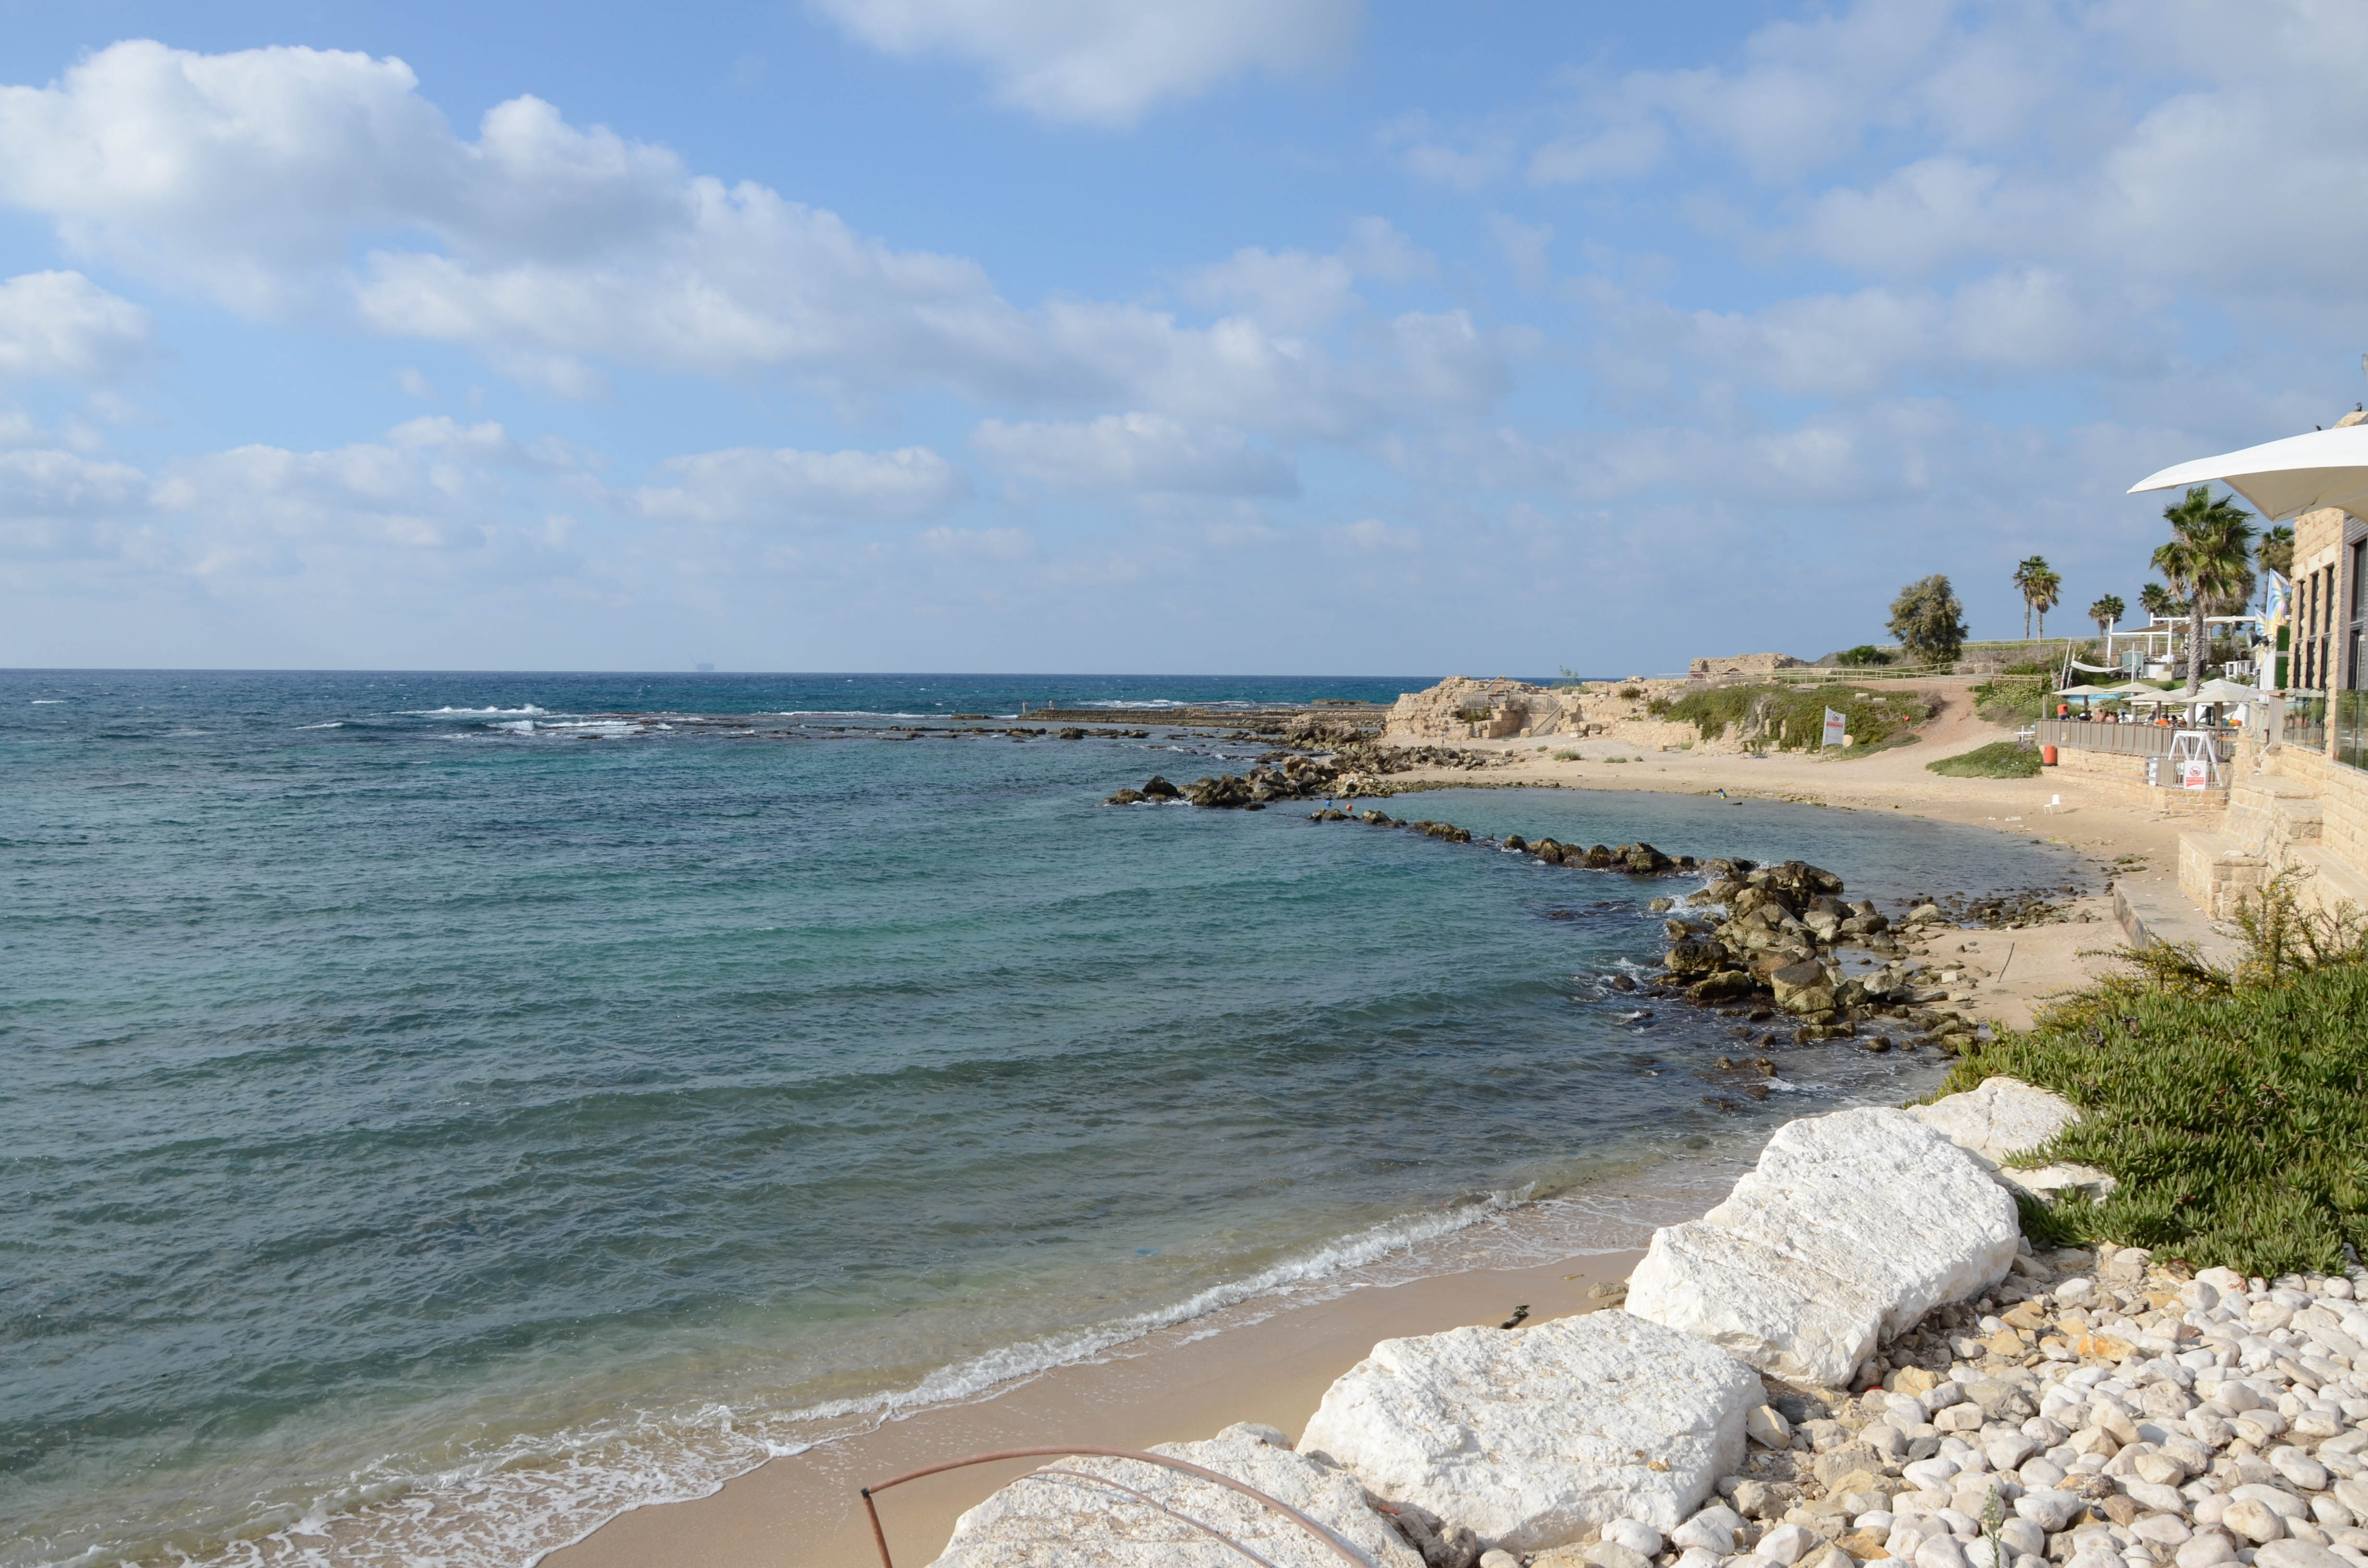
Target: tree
column 2160, row 602
column 2045, row 588
column 2028, row 573
column 1929, row 621
column 2107, row 613
column 2275, row 552
column 2209, row 555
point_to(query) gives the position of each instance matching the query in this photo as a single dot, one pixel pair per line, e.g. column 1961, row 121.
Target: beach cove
column 528, row 1435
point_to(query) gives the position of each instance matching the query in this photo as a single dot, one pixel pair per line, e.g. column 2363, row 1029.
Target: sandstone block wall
column 2342, row 794
column 1460, row 709
column 1743, row 664
column 2123, row 778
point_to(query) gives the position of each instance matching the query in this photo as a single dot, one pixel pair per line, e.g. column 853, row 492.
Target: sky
column 1321, row 336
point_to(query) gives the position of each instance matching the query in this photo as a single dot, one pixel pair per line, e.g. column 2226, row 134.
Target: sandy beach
column 1191, row 1382
column 1186, row 1383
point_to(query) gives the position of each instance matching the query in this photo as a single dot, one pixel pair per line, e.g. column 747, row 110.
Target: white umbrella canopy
column 2218, row 690
column 2283, row 479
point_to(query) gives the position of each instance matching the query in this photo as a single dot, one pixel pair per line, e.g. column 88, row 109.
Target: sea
column 440, row 1111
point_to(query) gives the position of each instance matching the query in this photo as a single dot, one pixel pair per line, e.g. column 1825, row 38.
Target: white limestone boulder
column 1529, row 1438
column 1851, row 1227
column 2004, row 1118
column 1073, row 1520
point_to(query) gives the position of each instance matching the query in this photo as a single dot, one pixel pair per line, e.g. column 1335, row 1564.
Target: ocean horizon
column 450, row 1107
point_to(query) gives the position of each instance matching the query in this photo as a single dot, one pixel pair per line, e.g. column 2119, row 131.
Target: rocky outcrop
column 1851, row 1227
column 1531, row 1438
column 1742, row 664
column 1459, row 709
column 1061, row 1518
column 2005, row 1118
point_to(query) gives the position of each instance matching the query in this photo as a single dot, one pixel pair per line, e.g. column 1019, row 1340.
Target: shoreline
column 806, row 1509
column 1180, row 1385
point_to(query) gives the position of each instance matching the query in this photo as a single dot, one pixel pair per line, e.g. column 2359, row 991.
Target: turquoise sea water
column 441, row 1110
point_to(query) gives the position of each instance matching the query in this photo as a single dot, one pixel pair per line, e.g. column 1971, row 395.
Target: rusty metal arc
column 880, row 1536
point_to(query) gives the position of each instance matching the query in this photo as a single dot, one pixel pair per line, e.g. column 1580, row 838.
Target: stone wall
column 1742, row 664
column 1460, row 709
column 2123, row 778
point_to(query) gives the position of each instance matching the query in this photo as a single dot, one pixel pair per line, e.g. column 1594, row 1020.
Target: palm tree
column 2210, row 555
column 2275, row 552
column 2158, row 602
column 2107, row 613
column 2045, row 588
column 2027, row 574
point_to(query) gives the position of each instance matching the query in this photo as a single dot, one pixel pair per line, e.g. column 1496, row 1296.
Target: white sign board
column 2196, row 774
column 1834, row 732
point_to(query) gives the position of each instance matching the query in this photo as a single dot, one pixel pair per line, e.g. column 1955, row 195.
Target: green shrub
column 1565, row 756
column 1792, row 718
column 1864, row 654
column 2013, row 698
column 2229, row 1104
column 1999, row 759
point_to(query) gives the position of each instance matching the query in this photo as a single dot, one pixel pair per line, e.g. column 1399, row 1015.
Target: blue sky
column 1076, row 334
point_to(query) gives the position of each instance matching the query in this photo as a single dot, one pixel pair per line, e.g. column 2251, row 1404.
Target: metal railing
column 880, row 1536
column 2352, row 728
column 2119, row 740
column 2304, row 724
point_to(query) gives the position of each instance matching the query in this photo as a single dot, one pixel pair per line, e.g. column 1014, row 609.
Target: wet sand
column 1186, row 1383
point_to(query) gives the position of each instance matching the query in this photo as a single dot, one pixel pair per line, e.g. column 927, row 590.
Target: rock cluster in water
column 1353, row 767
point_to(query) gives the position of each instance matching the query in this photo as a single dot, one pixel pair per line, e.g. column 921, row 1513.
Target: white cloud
column 61, row 325
column 755, row 487
column 1107, row 61
column 554, row 251
column 1137, row 453
column 991, row 544
column 1373, row 536
column 415, row 383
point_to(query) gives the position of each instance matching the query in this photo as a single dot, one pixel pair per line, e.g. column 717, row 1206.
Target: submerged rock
column 1533, row 1438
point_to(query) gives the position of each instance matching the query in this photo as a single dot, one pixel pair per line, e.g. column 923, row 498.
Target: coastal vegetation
column 1929, row 621
column 1999, row 759
column 2229, row 1103
column 2107, row 612
column 1790, row 718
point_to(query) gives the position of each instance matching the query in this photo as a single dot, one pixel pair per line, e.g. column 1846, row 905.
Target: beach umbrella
column 2218, row 690
column 2283, row 479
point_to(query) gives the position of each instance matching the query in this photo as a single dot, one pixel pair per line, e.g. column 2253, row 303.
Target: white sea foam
column 475, row 712
column 47, row 701
column 531, row 1496
column 332, row 725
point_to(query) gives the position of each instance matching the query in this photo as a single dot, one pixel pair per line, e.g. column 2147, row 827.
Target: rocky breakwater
column 1353, row 769
column 1784, row 930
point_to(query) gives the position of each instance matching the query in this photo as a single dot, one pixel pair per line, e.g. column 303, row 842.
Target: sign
column 1834, row 732
column 2196, row 774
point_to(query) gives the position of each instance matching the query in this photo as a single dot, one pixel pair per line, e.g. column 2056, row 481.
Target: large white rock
column 2004, row 1118
column 1852, row 1226
column 1528, row 1439
column 1045, row 1520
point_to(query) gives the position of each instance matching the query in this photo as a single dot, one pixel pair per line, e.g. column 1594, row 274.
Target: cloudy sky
column 1293, row 336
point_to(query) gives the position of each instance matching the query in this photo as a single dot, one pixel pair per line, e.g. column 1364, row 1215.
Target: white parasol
column 2283, row 479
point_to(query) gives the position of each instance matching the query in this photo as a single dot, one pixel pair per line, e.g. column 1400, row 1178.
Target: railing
column 2305, row 724
column 2352, row 728
column 2119, row 740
